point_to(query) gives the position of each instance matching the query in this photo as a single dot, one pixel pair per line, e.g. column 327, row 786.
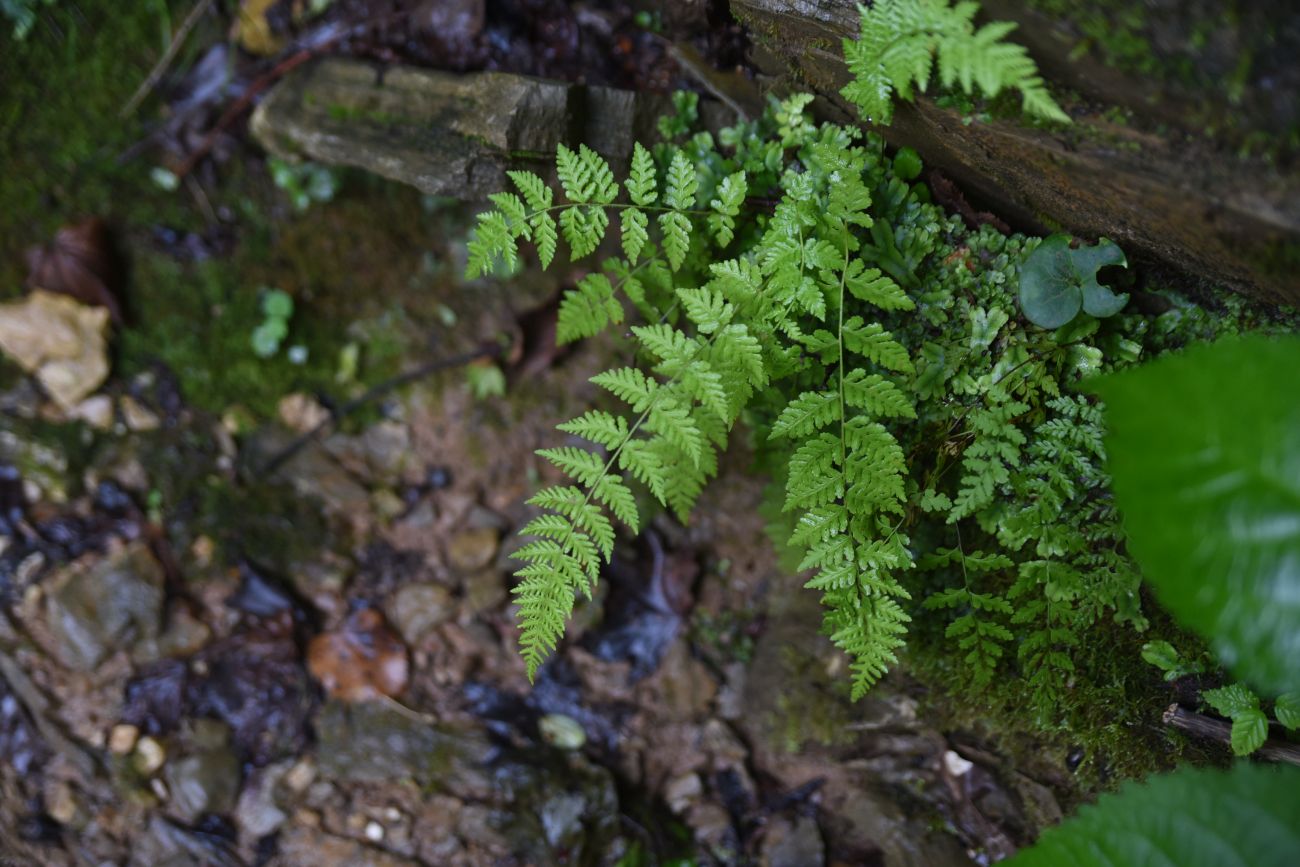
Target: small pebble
column 374, row 832
column 149, row 755
column 562, row 731
column 122, row 739
column 956, row 765
column 300, row 776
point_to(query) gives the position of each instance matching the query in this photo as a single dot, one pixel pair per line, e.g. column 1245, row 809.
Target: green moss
column 60, row 131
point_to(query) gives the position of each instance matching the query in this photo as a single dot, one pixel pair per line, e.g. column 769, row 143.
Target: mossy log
column 1184, row 142
column 447, row 134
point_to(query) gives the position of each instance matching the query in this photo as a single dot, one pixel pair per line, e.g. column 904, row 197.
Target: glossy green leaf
column 1057, row 282
column 1249, row 731
column 1204, row 451
column 1287, row 710
column 1246, row 817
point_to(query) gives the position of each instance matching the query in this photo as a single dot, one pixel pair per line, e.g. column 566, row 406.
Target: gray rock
column 795, row 843
column 206, row 782
column 257, row 813
column 370, row 742
column 111, row 605
column 417, row 609
column 445, row 134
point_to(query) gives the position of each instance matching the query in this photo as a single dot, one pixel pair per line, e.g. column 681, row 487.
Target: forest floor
column 215, row 649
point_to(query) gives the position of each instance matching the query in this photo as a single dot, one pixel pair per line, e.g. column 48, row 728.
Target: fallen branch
column 1202, row 726
column 160, row 68
column 379, row 390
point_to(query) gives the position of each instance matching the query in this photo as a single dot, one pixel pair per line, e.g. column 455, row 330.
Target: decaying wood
column 1209, row 728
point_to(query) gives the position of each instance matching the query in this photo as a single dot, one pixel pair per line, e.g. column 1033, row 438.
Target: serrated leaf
column 1249, row 731
column 1204, row 450
column 1287, row 710
column 1248, row 817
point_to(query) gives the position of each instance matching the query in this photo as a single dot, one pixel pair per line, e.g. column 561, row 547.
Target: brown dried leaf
column 79, row 262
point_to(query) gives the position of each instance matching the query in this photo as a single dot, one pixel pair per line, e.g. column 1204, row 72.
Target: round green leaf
column 1049, row 290
column 1056, row 282
column 1204, row 452
column 1246, row 817
column 277, row 304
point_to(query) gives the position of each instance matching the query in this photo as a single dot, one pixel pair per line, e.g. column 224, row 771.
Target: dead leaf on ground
column 253, row 30
column 61, row 342
column 362, row 661
column 80, row 262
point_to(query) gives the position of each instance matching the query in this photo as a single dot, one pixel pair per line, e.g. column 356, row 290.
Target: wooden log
column 1157, row 168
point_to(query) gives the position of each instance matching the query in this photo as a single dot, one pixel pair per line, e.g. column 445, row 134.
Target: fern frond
column 900, row 40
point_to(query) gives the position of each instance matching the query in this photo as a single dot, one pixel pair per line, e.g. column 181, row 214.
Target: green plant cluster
column 277, row 309
column 937, row 458
column 1204, row 448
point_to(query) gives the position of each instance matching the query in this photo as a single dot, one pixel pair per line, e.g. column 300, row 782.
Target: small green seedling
column 277, row 308
column 304, row 183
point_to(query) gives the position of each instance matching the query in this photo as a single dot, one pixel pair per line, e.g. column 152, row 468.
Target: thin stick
column 287, row 453
column 164, row 62
column 1218, row 730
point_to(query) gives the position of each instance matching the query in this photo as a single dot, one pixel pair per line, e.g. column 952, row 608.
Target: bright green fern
column 901, row 39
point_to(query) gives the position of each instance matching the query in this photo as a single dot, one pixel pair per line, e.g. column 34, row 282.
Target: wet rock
column 96, row 411
column 369, row 742
column 682, row 791
column 792, row 843
column 562, row 732
column 362, row 660
column 417, row 608
column 379, row 455
column 301, row 413
column 806, row 736
column 257, row 812
column 484, row 591
column 122, row 739
column 138, row 417
column 149, row 756
column 305, row 845
column 205, row 782
column 35, row 462
column 255, row 681
column 472, row 550
column 63, row 343
column 112, row 604
column 21, row 746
